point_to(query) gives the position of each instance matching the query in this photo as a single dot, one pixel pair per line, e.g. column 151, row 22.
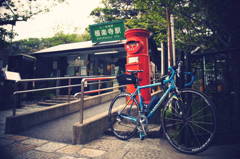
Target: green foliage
column 208, row 24
column 61, row 38
column 115, row 9
column 35, row 44
column 13, row 11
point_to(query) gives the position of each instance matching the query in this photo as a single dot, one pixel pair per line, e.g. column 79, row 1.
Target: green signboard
column 108, row 31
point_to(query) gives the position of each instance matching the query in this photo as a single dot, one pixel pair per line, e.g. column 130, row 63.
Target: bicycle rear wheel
column 189, row 121
column 123, row 114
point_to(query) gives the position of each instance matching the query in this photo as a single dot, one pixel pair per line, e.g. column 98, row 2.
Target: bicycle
column 187, row 116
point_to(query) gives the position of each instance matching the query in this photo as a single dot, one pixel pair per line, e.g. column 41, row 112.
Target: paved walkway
column 61, row 129
column 25, row 109
column 106, row 147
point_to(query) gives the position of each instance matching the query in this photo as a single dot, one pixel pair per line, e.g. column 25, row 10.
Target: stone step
column 54, row 101
column 46, row 103
column 62, row 98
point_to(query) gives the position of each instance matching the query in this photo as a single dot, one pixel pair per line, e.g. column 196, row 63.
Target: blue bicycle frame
column 170, row 88
column 138, row 93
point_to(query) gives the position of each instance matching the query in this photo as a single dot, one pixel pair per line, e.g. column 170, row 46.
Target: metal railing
column 99, row 81
column 82, row 93
column 69, row 86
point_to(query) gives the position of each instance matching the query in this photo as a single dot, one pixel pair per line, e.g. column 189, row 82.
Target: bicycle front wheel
column 189, row 121
column 123, row 114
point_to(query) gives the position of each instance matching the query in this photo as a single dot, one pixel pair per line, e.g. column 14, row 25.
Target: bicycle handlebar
column 177, row 70
column 173, row 72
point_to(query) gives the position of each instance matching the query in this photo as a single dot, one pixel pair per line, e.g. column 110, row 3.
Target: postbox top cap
column 137, row 32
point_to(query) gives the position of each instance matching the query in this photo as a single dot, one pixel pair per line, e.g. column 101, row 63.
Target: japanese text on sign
column 107, row 31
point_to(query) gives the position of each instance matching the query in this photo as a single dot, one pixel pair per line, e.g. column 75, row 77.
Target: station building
column 80, row 59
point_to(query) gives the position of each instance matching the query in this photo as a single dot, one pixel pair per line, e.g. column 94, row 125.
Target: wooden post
column 162, row 60
column 170, row 57
column 173, row 40
column 202, row 81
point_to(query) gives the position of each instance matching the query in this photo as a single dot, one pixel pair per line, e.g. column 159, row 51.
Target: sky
column 70, row 17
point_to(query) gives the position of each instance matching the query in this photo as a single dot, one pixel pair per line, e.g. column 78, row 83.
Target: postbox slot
column 133, row 46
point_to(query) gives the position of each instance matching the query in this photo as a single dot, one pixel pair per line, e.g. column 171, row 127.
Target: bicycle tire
column 189, row 121
column 121, row 127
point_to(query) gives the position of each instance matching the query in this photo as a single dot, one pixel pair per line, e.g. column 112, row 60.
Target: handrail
column 82, row 84
column 53, row 78
column 98, row 78
column 69, row 85
column 103, row 89
column 51, row 88
column 82, row 92
column 44, row 89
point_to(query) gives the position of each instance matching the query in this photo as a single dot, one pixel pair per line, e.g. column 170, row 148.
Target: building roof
column 81, row 47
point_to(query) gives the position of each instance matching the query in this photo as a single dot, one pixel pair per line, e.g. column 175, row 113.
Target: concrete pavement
column 14, row 146
column 6, row 113
column 106, row 147
column 61, row 129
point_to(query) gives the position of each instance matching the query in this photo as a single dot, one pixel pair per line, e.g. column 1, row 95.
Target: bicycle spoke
column 123, row 122
column 201, row 128
column 194, row 134
column 187, row 103
column 171, row 125
column 203, row 136
column 201, row 122
column 173, row 119
column 203, row 116
column 180, row 131
column 176, row 115
column 189, row 124
column 197, row 112
column 173, row 109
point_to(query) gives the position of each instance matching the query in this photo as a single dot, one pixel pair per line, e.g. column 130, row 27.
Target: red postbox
column 138, row 59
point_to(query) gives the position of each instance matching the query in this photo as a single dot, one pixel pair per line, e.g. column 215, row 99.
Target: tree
column 35, row 44
column 115, row 9
column 198, row 23
column 13, row 11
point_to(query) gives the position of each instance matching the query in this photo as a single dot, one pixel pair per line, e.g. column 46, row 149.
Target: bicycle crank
column 143, row 126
